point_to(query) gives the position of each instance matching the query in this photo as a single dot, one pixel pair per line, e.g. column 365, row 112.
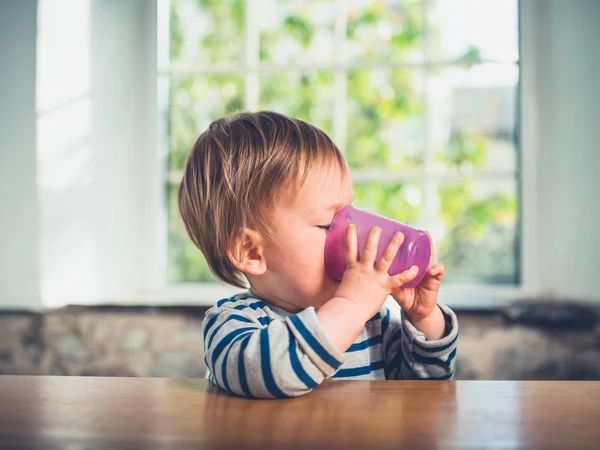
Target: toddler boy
column 257, row 196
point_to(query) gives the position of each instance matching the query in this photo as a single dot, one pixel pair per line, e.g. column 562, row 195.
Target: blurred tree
column 307, row 95
column 477, row 228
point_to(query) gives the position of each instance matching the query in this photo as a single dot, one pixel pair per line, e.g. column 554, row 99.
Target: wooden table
column 145, row 413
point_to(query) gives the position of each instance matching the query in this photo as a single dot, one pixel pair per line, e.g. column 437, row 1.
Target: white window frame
column 157, row 290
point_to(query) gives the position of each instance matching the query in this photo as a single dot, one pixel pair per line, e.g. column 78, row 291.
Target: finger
column 370, row 252
column 432, row 254
column 351, row 245
column 408, row 275
column 390, row 252
column 433, row 277
column 437, row 271
column 405, row 301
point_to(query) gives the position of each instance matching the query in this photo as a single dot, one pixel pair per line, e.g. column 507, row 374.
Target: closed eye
column 323, row 227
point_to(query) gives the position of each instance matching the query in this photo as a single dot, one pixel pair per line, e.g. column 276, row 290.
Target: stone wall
column 518, row 343
column 121, row 342
column 496, row 346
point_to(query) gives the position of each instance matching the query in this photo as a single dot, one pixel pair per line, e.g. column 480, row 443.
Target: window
column 420, row 95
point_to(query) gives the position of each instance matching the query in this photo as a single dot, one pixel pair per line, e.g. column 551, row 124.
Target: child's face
column 296, row 276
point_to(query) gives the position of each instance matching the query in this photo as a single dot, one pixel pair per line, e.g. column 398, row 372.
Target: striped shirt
column 257, row 350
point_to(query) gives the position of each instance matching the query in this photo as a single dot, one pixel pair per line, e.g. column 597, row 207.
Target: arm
column 363, row 289
column 409, row 355
column 427, row 333
column 270, row 360
column 289, row 358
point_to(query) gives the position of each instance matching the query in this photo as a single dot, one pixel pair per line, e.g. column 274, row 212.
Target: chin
column 330, row 289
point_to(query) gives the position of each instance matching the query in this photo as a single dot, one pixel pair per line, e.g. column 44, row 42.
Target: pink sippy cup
column 414, row 251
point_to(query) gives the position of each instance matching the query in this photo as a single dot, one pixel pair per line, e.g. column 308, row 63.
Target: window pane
column 472, row 114
column 471, row 30
column 307, row 96
column 207, row 31
column 299, row 31
column 470, row 117
column 194, row 103
column 385, row 123
column 388, row 30
column 477, row 230
column 185, row 262
column 398, row 201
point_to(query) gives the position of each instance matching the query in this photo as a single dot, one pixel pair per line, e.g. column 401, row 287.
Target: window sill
column 456, row 296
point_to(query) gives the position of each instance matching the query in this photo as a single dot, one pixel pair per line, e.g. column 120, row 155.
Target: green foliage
column 471, row 56
column 478, row 220
column 216, row 38
column 288, row 31
column 299, row 28
column 404, row 20
column 184, row 261
column 464, row 148
column 380, row 102
column 194, row 102
column 389, row 199
column 480, row 230
column 307, row 96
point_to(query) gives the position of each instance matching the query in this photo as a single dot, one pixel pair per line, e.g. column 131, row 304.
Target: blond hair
column 237, row 171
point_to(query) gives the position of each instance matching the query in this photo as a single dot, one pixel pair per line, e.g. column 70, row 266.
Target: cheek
column 314, row 243
column 308, row 250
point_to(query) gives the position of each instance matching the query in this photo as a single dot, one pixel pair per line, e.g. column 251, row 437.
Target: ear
column 247, row 253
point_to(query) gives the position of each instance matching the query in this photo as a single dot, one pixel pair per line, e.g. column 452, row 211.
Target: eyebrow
column 337, row 206
column 334, row 207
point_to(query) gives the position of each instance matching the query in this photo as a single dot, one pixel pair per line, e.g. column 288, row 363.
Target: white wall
column 93, row 104
column 19, row 225
column 567, row 70
column 78, row 219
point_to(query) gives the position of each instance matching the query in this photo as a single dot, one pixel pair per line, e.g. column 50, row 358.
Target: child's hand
column 419, row 303
column 366, row 282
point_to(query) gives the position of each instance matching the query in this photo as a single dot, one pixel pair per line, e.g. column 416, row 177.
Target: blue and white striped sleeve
column 410, row 356
column 273, row 358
